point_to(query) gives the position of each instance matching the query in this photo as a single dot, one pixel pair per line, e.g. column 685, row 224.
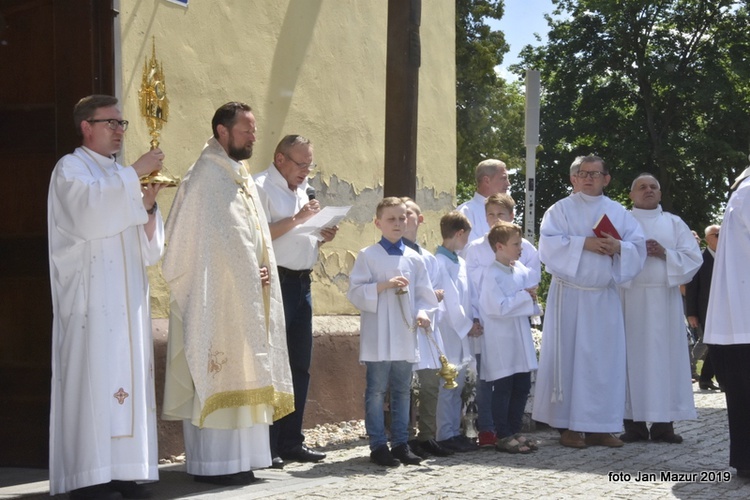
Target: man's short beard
column 239, row 154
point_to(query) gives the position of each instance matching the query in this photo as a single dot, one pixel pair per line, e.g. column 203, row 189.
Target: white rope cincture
column 557, row 391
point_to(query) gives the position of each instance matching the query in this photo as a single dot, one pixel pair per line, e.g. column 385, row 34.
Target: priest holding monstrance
column 104, row 229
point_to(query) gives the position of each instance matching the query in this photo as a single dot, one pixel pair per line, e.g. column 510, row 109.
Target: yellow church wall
column 312, row 67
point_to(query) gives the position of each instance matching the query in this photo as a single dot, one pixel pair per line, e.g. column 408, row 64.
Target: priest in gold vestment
column 228, row 375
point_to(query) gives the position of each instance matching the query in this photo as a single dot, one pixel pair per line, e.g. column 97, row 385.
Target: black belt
column 283, row 271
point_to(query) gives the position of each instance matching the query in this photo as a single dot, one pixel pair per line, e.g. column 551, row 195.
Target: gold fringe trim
column 282, row 402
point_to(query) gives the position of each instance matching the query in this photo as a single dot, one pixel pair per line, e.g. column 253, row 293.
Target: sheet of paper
column 327, row 217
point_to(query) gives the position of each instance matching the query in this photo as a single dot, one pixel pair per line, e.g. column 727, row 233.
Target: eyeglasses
column 713, row 234
column 594, row 174
column 301, row 166
column 112, row 123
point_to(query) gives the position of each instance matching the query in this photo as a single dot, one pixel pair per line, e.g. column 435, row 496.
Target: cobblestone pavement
column 552, row 472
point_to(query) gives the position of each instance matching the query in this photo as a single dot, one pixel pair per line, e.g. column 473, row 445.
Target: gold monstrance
column 155, row 109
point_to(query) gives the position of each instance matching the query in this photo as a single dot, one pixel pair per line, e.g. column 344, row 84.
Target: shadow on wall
column 291, row 49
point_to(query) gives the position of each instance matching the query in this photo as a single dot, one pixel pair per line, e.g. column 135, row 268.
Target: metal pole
column 531, row 140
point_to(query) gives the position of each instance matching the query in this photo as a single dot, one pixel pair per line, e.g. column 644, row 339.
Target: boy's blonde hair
column 453, row 222
column 501, row 232
column 390, row 201
column 408, row 200
column 502, row 200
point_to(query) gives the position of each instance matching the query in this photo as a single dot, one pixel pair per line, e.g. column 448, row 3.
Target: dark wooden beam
column 401, row 97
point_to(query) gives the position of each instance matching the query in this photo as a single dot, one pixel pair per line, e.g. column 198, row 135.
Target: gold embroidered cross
column 121, row 395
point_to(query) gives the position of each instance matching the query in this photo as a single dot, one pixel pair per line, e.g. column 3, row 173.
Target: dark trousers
column 700, row 351
column 286, row 433
column 483, row 400
column 732, row 366
column 509, row 396
column 707, row 372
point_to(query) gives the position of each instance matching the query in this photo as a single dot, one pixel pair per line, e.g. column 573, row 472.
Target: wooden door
column 52, row 53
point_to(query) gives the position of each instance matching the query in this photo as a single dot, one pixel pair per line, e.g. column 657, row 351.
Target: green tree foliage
column 658, row 86
column 489, row 111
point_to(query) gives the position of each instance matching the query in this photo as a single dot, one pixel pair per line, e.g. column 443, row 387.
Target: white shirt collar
column 276, row 178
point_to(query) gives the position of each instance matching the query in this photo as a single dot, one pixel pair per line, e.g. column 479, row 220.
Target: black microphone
column 310, row 193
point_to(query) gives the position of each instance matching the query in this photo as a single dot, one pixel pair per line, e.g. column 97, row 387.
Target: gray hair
column 488, row 168
column 289, row 141
column 641, row 176
column 580, row 160
column 708, row 228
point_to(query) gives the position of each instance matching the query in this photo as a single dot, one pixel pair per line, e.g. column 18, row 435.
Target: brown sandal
column 533, row 444
column 511, row 445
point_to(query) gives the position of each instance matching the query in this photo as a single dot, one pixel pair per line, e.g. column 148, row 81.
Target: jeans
column 382, row 375
column 286, row 433
column 509, row 396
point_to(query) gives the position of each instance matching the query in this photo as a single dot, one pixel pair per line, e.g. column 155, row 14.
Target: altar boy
column 456, row 323
column 507, row 299
column 430, row 345
column 390, row 286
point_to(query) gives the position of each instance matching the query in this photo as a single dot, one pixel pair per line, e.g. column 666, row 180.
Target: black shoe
column 382, row 456
column 95, row 492
column 458, row 445
column 668, row 438
column 450, row 444
column 664, row 432
column 237, row 479
column 404, row 454
column 433, row 448
column 634, row 431
column 131, row 489
column 708, row 386
column 631, row 437
column 277, row 463
column 302, row 453
column 743, row 473
column 468, row 444
column 416, row 448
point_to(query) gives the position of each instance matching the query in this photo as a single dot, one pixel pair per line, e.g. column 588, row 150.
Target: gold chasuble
column 227, row 362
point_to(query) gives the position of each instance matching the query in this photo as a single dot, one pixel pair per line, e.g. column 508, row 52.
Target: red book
column 604, row 225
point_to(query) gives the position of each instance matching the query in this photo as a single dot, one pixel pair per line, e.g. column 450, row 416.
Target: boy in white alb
column 507, row 299
column 479, row 256
column 390, row 286
column 455, row 321
column 426, row 369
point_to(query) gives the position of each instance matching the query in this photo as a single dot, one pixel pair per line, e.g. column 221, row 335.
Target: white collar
column 276, row 178
column 652, row 213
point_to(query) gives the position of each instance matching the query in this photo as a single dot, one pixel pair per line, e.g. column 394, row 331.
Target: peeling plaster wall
column 313, row 67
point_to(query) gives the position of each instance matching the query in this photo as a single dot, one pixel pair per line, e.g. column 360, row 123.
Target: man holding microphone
column 289, row 201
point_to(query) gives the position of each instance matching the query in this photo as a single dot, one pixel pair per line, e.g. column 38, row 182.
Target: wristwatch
column 152, row 210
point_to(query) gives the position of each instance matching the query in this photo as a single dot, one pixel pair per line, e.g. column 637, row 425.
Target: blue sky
column 522, row 19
